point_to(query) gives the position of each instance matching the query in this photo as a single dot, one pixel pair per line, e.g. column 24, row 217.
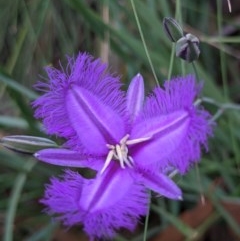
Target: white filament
column 119, row 152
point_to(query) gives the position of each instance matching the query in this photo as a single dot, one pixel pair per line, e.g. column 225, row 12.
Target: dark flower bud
column 172, row 29
column 187, row 48
column 27, row 144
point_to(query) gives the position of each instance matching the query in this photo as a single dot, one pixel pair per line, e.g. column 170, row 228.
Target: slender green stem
column 220, row 39
column 222, row 106
column 224, row 81
column 222, row 55
column 217, row 115
column 178, row 16
column 183, row 66
column 147, row 220
column 15, row 195
column 144, row 42
column 195, row 71
column 199, row 184
column 171, row 61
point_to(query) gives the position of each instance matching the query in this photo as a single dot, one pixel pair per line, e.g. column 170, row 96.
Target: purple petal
column 108, row 189
column 91, row 75
column 160, row 184
column 160, row 125
column 68, row 158
column 135, row 96
column 178, row 143
column 166, row 132
column 189, row 150
column 69, row 198
column 95, row 123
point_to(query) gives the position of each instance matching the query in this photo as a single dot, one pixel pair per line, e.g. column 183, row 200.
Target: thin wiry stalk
column 143, row 41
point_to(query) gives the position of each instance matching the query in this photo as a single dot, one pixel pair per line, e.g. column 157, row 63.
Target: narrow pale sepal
column 26, row 144
column 135, row 95
column 160, row 184
column 93, row 121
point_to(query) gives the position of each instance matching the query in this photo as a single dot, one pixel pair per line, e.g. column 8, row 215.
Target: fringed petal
column 86, row 73
column 68, row 158
column 187, row 130
column 189, row 150
column 135, row 96
column 108, row 188
column 95, row 123
column 68, row 199
column 166, row 133
column 160, row 184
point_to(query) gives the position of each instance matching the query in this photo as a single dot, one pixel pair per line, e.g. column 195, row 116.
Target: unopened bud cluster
column 187, row 45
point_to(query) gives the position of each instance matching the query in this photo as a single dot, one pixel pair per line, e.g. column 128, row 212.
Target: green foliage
column 37, row 33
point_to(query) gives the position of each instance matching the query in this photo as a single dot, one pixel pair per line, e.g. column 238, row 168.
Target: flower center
column 119, row 152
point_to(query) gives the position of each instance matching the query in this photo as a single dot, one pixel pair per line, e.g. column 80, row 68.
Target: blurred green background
column 37, row 33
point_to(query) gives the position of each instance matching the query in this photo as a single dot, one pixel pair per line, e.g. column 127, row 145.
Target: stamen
column 119, row 152
column 115, row 155
column 112, row 147
column 127, row 161
column 131, row 160
column 124, row 139
column 124, row 150
column 120, row 156
column 107, row 162
column 139, row 140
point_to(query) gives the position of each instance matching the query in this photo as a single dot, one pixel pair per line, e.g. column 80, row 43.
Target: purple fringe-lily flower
column 131, row 143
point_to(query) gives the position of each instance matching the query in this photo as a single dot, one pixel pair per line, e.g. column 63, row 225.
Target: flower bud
column 27, row 144
column 187, row 48
column 172, row 29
